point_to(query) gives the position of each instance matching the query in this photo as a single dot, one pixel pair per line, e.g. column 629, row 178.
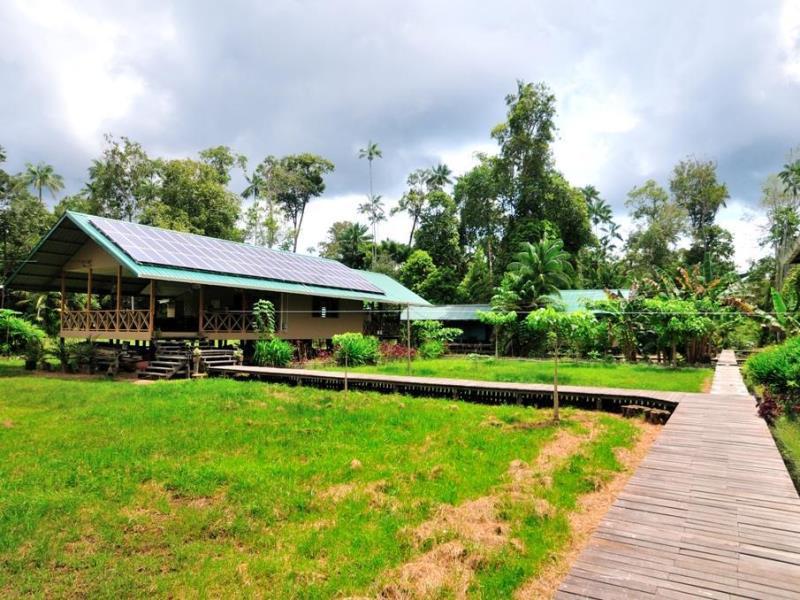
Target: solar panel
column 152, row 245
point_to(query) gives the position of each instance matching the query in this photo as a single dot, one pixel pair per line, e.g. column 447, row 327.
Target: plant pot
column 141, row 365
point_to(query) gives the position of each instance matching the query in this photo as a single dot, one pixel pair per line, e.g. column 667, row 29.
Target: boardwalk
column 496, row 392
column 711, row 512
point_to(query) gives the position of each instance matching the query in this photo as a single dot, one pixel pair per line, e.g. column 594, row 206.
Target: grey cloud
column 422, row 78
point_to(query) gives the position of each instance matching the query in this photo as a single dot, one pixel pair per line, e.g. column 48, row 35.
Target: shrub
column 432, row 349
column 273, row 353
column 355, row 349
column 390, row 352
column 777, row 369
column 434, row 330
column 16, row 333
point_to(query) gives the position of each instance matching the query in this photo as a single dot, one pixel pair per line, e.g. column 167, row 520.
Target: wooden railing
column 229, row 321
column 106, row 321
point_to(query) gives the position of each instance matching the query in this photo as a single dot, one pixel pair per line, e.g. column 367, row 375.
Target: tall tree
column 375, row 212
column 659, row 223
column 223, row 159
column 696, row 189
column 482, row 219
column 599, row 210
column 42, row 177
column 371, row 151
column 413, row 200
column 123, row 181
column 23, row 220
column 296, row 179
column 192, row 197
column 438, row 230
column 532, row 192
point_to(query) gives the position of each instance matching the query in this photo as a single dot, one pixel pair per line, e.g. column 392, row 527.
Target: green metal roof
column 394, row 292
column 569, row 300
column 447, row 312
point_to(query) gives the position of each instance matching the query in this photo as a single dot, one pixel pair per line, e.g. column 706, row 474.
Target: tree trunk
column 496, row 342
column 298, row 225
column 555, row 387
column 413, row 229
column 673, row 359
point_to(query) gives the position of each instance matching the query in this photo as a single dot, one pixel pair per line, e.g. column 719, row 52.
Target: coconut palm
column 439, row 176
column 352, row 241
column 790, row 176
column 541, row 270
column 370, row 152
column 41, row 177
column 374, row 210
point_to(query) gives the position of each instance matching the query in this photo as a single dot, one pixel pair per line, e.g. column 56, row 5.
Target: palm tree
column 352, row 240
column 790, row 176
column 439, row 176
column 374, row 210
column 370, row 152
column 43, row 176
column 600, row 212
column 542, row 269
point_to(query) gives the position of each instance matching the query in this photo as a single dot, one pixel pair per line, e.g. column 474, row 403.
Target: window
column 325, row 308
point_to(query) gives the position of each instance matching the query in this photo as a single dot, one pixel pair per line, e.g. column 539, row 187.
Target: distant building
column 465, row 316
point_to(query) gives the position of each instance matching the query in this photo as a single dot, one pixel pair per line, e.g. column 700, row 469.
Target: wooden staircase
column 174, row 358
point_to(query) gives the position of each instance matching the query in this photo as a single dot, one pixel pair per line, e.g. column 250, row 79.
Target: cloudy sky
column 640, row 85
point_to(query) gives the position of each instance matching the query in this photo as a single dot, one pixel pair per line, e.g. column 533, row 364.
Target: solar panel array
column 152, row 245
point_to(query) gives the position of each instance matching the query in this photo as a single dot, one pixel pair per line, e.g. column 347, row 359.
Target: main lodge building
column 167, row 284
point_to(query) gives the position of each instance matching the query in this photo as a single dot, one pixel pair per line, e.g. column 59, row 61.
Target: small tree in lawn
column 559, row 327
column 499, row 320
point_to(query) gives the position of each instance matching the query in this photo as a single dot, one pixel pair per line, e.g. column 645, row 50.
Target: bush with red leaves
column 390, row 352
column 768, row 408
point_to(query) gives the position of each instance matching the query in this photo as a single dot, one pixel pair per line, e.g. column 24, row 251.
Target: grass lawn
column 632, row 376
column 787, row 433
column 225, row 488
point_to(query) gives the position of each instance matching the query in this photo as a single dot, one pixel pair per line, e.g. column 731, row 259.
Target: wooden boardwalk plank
column 711, row 512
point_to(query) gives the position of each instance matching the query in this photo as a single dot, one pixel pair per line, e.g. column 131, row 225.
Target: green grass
column 223, row 488
column 631, row 376
column 787, row 434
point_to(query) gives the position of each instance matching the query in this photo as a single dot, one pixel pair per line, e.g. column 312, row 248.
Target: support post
column 63, row 297
column 151, row 326
column 200, row 310
column 244, row 314
column 119, row 297
column 88, row 300
column 408, row 338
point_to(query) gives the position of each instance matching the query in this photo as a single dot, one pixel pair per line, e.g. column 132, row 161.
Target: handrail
column 227, row 321
column 106, row 321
